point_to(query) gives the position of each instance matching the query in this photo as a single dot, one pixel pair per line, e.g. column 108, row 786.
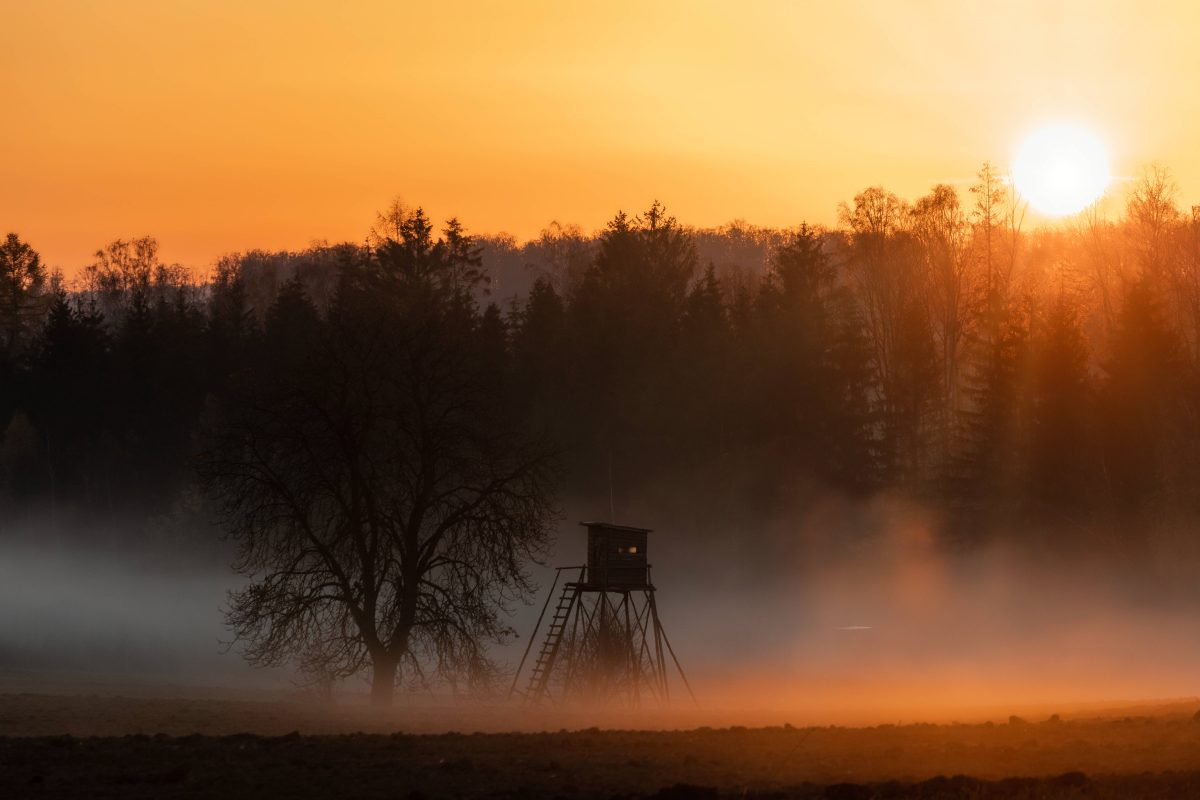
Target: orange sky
column 219, row 126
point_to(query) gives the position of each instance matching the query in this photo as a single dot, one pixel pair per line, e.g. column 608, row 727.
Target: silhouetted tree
column 231, row 327
column 1146, row 407
column 943, row 230
column 22, row 283
column 884, row 262
column 561, row 255
column 540, row 362
column 1186, row 288
column 808, row 365
column 991, row 433
column 121, row 273
column 69, row 400
column 1060, row 470
column 1152, row 217
column 625, row 327
column 705, row 372
column 384, row 501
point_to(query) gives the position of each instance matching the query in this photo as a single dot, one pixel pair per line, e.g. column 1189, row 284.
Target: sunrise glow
column 1061, row 169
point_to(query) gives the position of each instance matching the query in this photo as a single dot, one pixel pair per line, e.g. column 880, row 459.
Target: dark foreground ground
column 1150, row 756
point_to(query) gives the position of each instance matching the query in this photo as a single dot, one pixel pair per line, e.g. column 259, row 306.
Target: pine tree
column 1060, row 463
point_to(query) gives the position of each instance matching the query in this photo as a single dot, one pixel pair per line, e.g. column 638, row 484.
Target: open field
column 153, row 746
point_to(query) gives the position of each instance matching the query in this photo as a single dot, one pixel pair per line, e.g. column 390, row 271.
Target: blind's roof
column 611, row 527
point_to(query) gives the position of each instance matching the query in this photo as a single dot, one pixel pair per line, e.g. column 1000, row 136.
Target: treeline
column 1015, row 378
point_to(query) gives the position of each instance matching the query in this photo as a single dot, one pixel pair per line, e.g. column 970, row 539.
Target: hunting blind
column 604, row 640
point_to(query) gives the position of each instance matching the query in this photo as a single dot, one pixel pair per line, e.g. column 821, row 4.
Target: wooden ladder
column 539, row 679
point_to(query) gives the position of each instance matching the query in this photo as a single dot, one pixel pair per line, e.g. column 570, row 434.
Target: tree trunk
column 383, row 681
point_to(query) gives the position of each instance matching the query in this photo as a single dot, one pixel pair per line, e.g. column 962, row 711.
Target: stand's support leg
column 660, row 661
column 660, row 632
column 633, row 656
column 575, row 645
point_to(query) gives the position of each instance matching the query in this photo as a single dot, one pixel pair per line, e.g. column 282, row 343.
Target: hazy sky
column 219, row 126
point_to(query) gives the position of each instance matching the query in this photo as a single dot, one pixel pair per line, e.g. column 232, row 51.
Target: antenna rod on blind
column 612, row 513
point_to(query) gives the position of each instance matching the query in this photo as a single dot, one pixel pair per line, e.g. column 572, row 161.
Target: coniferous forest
column 1026, row 382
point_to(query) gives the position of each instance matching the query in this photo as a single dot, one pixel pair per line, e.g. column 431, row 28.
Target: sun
column 1061, row 169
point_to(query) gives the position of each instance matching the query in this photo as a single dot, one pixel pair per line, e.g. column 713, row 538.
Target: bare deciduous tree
column 384, row 501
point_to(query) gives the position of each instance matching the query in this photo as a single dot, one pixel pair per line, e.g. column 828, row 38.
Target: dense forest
column 1019, row 379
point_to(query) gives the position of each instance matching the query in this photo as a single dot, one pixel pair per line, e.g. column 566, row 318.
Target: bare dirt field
column 145, row 745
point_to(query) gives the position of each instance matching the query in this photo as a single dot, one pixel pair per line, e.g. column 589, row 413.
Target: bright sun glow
column 1061, row 169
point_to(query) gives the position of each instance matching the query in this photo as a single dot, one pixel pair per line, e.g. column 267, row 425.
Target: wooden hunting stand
column 604, row 641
